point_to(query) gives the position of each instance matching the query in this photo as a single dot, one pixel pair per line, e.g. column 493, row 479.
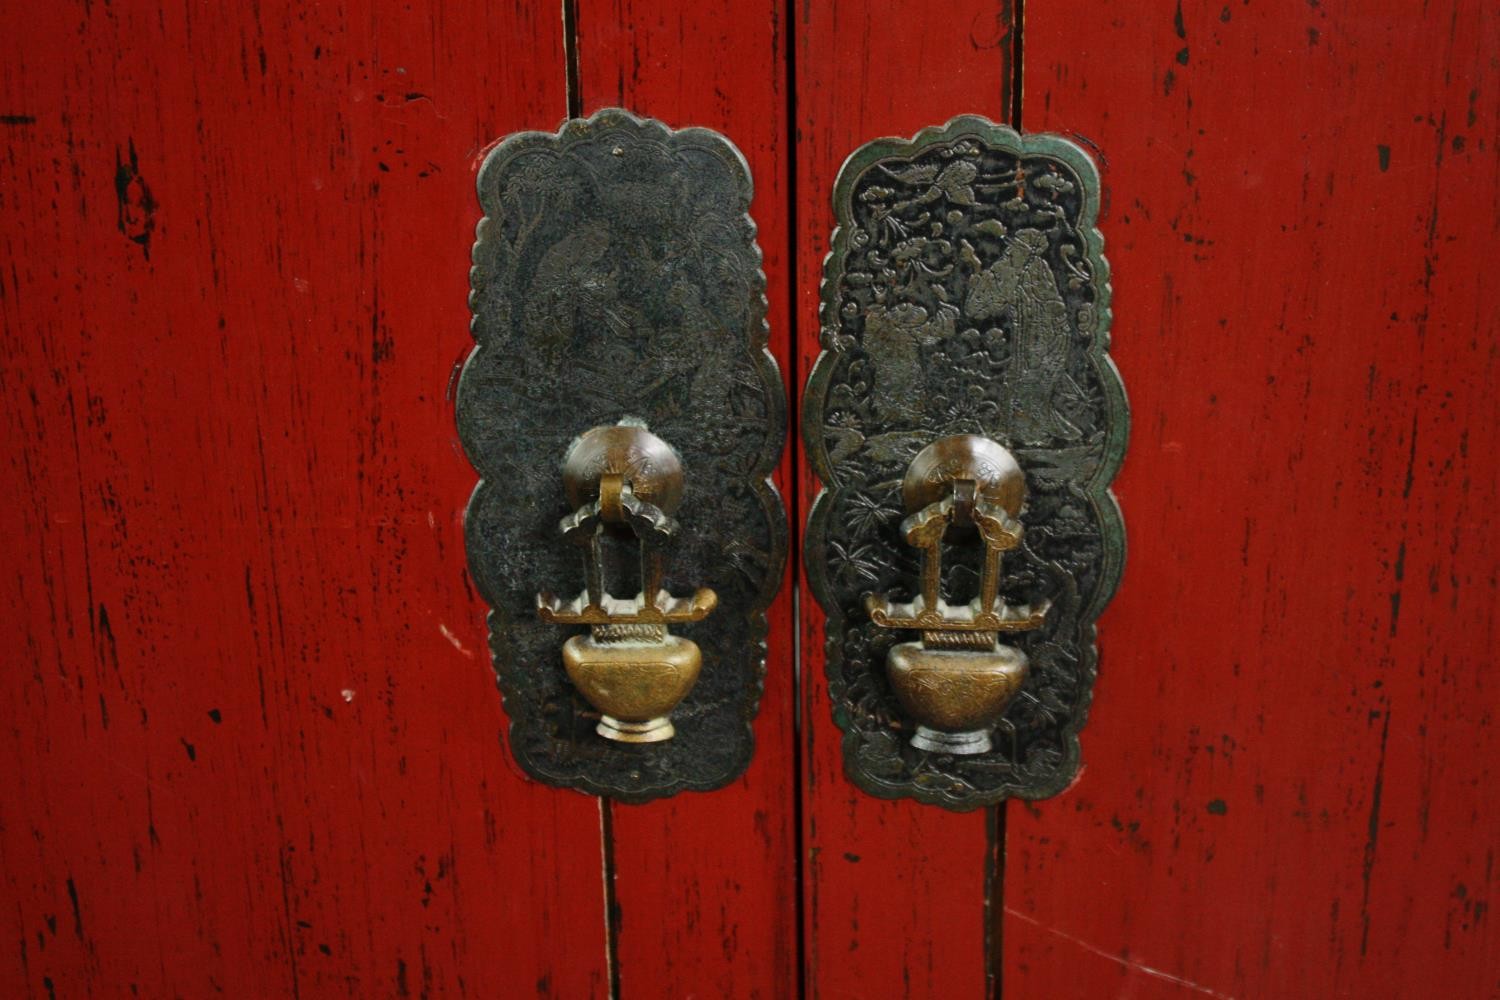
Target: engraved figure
column 894, row 338
column 1020, row 288
column 575, row 285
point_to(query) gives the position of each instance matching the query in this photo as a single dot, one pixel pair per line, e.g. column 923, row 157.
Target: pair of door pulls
column 963, row 417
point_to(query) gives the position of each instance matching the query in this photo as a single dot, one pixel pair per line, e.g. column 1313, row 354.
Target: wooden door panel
column 1292, row 744
column 705, row 884
column 251, row 732
column 897, row 897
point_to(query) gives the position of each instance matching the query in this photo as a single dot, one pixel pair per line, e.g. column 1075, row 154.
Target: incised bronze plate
column 965, row 307
column 620, row 324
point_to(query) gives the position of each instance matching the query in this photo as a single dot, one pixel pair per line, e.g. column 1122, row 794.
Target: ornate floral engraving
column 966, row 292
column 616, row 275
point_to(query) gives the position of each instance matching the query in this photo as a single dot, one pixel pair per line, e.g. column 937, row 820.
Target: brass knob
column 957, row 682
column 628, row 666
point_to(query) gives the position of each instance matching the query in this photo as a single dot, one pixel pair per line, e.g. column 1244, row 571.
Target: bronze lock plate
column 624, row 415
column 964, row 405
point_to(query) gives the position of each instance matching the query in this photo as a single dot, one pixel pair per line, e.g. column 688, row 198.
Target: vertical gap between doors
column 1018, row 19
column 570, row 57
column 994, row 900
column 572, row 81
column 994, row 857
column 611, row 904
column 794, row 486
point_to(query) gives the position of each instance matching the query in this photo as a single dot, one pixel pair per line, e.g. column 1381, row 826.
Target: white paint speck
column 347, row 694
column 448, row 634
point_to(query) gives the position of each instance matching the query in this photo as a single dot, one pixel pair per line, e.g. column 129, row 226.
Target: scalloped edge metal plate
column 728, row 423
column 876, row 754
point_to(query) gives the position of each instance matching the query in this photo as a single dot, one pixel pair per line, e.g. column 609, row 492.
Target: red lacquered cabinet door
column 1288, row 765
column 251, row 735
column 252, row 740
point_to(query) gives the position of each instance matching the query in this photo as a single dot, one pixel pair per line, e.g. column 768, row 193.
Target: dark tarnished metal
column 616, row 278
column 966, row 293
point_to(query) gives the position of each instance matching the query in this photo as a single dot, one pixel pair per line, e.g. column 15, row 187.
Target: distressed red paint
column 253, row 742
column 253, row 745
column 1292, row 749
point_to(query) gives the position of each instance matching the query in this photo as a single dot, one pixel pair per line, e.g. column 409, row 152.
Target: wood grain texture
column 706, row 884
column 894, row 893
column 251, row 734
column 1292, row 753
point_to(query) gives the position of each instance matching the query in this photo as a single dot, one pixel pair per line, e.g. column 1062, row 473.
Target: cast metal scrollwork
column 616, row 282
column 965, row 294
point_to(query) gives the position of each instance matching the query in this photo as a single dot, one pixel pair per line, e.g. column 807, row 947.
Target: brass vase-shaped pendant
column 635, row 676
column 955, row 695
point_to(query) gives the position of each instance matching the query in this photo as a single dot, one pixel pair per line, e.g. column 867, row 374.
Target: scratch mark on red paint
column 137, row 207
column 1076, row 779
column 1128, row 963
column 448, row 634
column 484, row 151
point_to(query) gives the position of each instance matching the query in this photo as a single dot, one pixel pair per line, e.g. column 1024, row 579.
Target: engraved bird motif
column 954, row 182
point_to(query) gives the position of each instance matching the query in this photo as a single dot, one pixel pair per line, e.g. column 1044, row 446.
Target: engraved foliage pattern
column 966, row 292
column 616, row 276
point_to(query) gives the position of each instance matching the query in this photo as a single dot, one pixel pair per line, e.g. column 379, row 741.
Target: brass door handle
column 957, row 682
column 623, row 478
